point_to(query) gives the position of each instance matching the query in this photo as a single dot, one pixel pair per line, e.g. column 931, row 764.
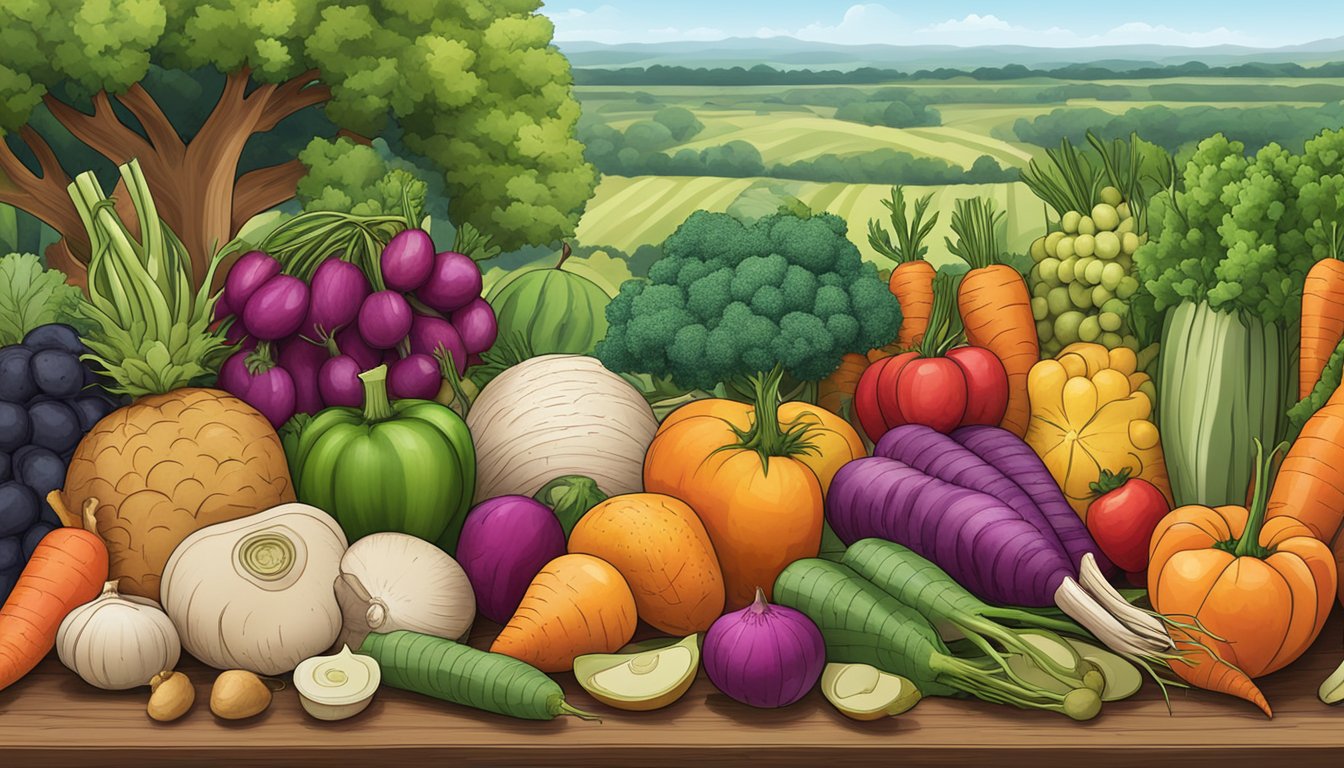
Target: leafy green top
column 1241, row 232
column 31, row 295
column 149, row 330
column 729, row 300
column 911, row 231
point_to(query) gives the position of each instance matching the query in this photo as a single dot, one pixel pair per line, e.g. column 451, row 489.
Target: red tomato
column 1122, row 519
column 986, row 385
column 966, row 386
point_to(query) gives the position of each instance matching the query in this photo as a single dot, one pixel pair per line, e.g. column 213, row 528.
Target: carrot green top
column 976, row 223
column 910, row 232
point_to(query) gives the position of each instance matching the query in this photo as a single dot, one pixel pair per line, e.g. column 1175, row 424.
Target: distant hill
column 791, row 53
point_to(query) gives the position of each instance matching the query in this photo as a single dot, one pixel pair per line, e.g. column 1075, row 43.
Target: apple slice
column 642, row 681
column 864, row 692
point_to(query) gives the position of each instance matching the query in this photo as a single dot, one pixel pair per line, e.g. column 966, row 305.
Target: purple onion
column 476, row 323
column 277, row 309
column 254, row 378
column 429, row 334
column 338, row 382
column 338, row 290
column 385, row 319
column 414, row 377
column 304, row 362
column 454, row 281
column 505, row 543
column 764, row 655
column 250, row 272
column 349, row 343
column 407, row 260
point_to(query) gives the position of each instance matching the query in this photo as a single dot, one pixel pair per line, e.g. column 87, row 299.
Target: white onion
column 392, row 581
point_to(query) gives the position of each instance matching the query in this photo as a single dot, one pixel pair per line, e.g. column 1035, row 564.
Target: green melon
column 552, row 310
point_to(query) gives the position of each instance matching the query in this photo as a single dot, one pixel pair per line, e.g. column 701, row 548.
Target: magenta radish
column 304, row 360
column 764, row 655
column 237, row 334
column 505, row 543
column 339, row 384
column 384, row 319
column 223, row 309
column 453, row 282
column 338, row 291
column 476, row 323
column 277, row 308
column 407, row 260
column 254, row 378
column 348, row 342
column 435, row 336
column 250, row 272
column 414, row 377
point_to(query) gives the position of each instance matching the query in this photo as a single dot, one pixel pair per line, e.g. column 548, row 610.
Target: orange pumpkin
column 1260, row 589
column 756, row 474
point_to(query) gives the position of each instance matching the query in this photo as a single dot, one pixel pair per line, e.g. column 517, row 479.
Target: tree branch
column 292, row 96
column 45, row 196
column 263, row 189
column 101, row 131
column 156, row 124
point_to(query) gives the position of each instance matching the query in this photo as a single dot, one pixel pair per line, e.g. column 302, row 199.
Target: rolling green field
column 788, row 124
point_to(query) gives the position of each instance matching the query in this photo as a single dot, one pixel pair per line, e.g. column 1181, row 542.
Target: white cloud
column 973, row 23
column 608, row 24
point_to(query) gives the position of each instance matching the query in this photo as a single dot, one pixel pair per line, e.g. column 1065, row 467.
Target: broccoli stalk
column 731, row 303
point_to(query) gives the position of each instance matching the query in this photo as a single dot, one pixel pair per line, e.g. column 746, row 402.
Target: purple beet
column 348, row 342
column 505, row 543
column 250, row 272
column 277, row 309
column 304, row 360
column 254, row 378
column 429, row 334
column 233, row 375
column 237, row 334
column 407, row 260
column 454, row 281
column 476, row 323
column 384, row 319
column 223, row 309
column 338, row 290
column 338, row 382
column 414, row 377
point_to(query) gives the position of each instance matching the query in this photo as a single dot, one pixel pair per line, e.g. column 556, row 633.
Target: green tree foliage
column 681, row 121
column 728, row 299
column 475, row 87
column 908, row 113
column 344, row 175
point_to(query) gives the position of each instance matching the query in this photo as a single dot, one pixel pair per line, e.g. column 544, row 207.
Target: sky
column 1041, row 23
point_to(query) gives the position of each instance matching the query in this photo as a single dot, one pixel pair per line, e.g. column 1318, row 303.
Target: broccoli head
column 730, row 299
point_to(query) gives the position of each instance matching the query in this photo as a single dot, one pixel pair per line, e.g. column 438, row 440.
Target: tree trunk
column 195, row 185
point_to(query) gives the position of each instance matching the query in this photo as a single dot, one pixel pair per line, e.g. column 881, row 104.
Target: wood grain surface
column 51, row 718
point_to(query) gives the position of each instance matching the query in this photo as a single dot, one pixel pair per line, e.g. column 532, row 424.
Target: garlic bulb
column 256, row 593
column 116, row 642
column 392, row 581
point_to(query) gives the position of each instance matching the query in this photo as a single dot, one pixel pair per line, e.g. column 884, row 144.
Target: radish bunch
column 302, row 345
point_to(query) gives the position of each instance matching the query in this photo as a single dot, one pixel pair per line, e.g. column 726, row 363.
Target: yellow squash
column 1092, row 411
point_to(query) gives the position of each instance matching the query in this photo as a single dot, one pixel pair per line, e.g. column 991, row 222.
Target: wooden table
column 51, row 718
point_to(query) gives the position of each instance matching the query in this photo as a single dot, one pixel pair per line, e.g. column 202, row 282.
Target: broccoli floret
column 729, row 300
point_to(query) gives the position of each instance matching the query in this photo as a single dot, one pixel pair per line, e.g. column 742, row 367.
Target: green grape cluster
column 1083, row 277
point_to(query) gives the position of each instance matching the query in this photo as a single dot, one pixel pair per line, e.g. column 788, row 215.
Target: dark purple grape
column 55, row 336
column 57, row 372
column 8, row 579
column 35, row 535
column 384, row 319
column 11, row 559
column 19, row 508
column 16, row 378
column 15, row 428
column 453, row 282
column 476, row 323
column 304, row 362
column 432, row 335
column 415, row 377
column 90, row 409
column 339, row 382
column 6, row 468
column 247, row 275
column 40, row 470
column 277, row 308
column 407, row 260
column 55, row 425
column 338, row 290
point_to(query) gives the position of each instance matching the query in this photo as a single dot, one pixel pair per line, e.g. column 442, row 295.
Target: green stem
column 1249, row 543
column 942, row 333
column 767, row 437
column 448, row 370
column 1109, row 481
column 376, row 405
column 261, row 360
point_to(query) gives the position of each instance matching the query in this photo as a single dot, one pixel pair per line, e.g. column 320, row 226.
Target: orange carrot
column 912, row 282
column 1310, row 483
column 67, row 570
column 912, row 279
column 995, row 304
column 1198, row 667
column 578, row 604
column 1322, row 321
